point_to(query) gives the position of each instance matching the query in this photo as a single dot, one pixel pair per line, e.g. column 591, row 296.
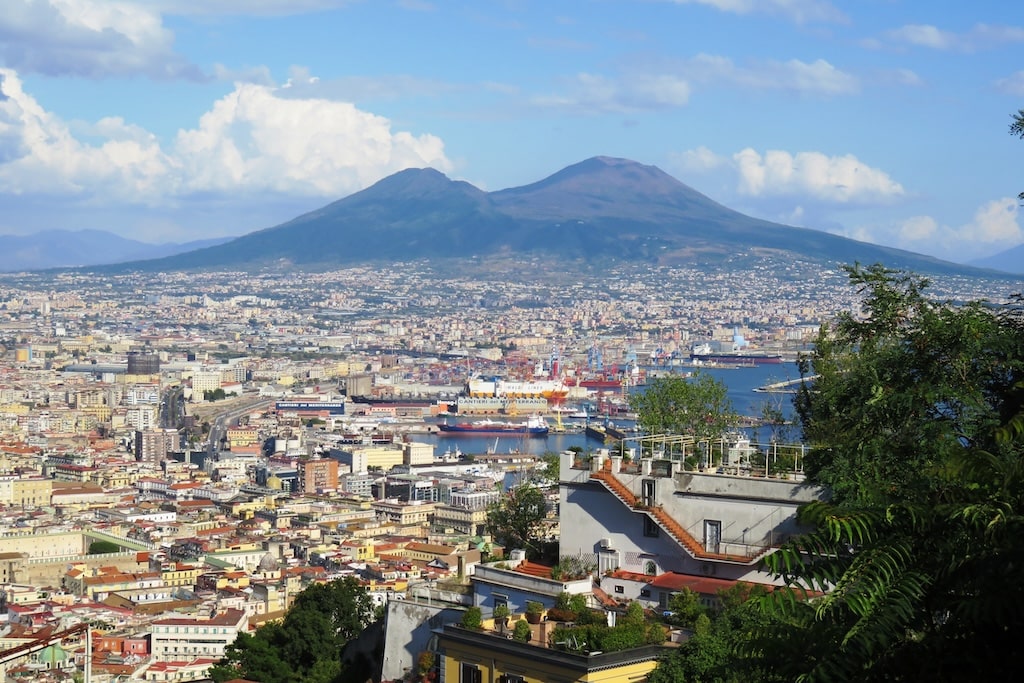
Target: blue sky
column 172, row 120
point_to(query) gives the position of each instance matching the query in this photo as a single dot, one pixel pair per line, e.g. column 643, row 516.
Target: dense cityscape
column 184, row 453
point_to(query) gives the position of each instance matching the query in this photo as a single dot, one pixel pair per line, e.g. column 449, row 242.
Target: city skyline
column 177, row 120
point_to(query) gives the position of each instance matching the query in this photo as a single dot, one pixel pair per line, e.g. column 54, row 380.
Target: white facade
column 141, row 417
column 184, row 639
column 731, row 521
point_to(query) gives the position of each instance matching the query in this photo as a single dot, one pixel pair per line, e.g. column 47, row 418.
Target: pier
column 786, row 387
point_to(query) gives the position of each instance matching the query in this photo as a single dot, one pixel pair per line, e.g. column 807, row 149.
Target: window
column 468, row 673
column 511, row 678
column 645, row 592
column 651, row 529
column 620, row 589
column 650, row 568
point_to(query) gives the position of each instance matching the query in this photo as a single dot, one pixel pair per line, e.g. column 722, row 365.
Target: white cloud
column 91, row 38
column 251, row 141
column 699, row 160
column 923, row 35
column 811, row 179
column 638, row 90
column 594, row 93
column 1012, row 84
column 817, row 77
column 833, row 179
column 800, row 11
column 980, row 36
column 995, row 227
column 244, row 7
column 43, row 157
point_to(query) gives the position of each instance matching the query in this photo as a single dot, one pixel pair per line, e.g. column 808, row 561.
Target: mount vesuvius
column 599, row 209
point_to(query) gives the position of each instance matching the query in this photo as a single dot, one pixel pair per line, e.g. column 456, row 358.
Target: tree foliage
column 516, row 521
column 912, row 571
column 1017, row 130
column 103, row 547
column 712, row 653
column 698, row 406
column 307, row 644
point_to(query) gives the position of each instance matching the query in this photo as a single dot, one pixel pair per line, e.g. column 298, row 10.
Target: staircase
column 664, row 520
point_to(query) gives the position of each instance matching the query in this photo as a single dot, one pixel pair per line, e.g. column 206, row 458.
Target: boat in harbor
column 534, row 426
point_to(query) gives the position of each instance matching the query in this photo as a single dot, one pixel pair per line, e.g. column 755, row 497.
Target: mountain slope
column 69, row 248
column 1009, row 261
column 599, row 209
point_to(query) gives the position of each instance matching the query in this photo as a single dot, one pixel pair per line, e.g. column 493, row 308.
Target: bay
column 740, row 382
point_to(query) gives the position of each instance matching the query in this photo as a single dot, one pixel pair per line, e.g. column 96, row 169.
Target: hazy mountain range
column 1009, row 261
column 72, row 248
column 597, row 210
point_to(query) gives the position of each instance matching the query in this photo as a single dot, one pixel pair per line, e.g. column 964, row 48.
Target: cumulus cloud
column 251, row 141
column 802, row 179
column 91, row 38
column 980, row 36
column 995, row 227
column 699, row 160
column 255, row 140
column 800, row 11
column 837, row 179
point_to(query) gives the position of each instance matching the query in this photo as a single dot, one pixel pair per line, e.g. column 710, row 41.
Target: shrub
column 560, row 614
column 522, row 632
column 501, row 611
column 534, row 607
column 472, row 618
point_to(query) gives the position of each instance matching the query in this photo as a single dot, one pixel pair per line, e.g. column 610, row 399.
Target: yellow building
column 486, row 656
column 31, row 492
column 180, row 574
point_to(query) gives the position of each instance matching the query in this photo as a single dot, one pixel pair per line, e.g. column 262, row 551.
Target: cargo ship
column 704, row 353
column 534, row 426
column 736, row 358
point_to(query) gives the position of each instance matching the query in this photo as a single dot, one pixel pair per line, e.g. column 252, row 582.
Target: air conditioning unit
column 605, row 543
column 707, row 569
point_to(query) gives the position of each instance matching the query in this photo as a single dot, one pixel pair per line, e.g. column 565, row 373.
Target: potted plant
column 534, row 610
column 562, row 610
column 522, row 632
column 501, row 614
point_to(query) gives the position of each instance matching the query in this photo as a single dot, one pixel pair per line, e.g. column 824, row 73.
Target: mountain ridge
column 602, row 208
column 75, row 248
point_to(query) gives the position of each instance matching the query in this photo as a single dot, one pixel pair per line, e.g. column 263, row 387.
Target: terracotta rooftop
column 534, row 569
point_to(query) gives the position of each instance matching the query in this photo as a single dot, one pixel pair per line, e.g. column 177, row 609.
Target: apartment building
column 184, row 638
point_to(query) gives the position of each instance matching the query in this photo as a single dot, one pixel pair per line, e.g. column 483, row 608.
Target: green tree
column 552, row 463
column 307, row 644
column 516, row 521
column 915, row 419
column 1017, row 129
column 212, row 395
column 343, row 601
column 103, row 547
column 698, row 406
column 710, row 655
column 685, row 607
column 255, row 657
